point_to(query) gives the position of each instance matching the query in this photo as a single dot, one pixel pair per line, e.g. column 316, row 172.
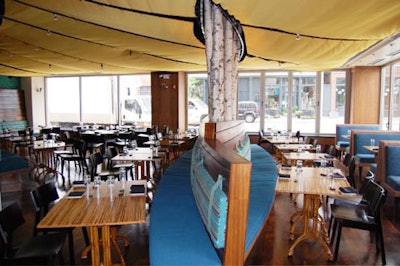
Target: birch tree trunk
column 222, row 63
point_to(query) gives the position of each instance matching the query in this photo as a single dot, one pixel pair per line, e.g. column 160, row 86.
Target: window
column 135, row 100
column 333, row 98
column 98, row 101
column 249, row 99
column 276, row 101
column 304, row 102
column 63, row 105
column 391, row 97
column 197, row 99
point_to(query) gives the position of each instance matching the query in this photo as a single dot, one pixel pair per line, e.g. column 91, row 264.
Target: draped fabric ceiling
column 78, row 37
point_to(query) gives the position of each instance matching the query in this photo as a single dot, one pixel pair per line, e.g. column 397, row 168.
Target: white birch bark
column 222, row 64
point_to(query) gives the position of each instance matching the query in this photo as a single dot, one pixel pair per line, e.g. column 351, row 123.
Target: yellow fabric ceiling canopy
column 77, row 37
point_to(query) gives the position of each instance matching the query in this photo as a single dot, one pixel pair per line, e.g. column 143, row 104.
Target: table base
column 312, row 222
column 106, row 240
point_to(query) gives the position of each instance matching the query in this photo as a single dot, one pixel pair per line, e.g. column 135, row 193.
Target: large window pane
column 396, row 98
column 135, row 100
column 276, row 101
column 62, row 101
column 304, row 102
column 386, row 96
column 333, row 100
column 249, row 100
column 197, row 99
column 98, row 100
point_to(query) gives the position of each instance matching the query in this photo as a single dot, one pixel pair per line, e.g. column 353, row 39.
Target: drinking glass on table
column 318, row 148
column 372, row 142
column 299, row 166
column 97, row 181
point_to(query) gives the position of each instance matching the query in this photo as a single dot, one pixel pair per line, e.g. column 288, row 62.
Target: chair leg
column 396, row 209
column 382, row 244
column 71, row 247
column 338, row 235
column 85, row 236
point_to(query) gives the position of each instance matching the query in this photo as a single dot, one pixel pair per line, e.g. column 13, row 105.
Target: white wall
column 34, row 90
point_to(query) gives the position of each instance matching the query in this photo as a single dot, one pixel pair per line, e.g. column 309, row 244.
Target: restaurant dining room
column 199, row 132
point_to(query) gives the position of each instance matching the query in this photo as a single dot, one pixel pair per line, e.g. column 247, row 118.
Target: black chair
column 43, row 199
column 261, row 137
column 329, row 149
column 37, row 250
column 366, row 216
column 78, row 157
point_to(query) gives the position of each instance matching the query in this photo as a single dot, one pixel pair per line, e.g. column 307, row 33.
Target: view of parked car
column 248, row 110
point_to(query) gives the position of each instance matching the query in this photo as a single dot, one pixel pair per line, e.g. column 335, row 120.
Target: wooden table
column 101, row 210
column 307, row 157
column 373, row 149
column 142, row 158
column 44, row 151
column 313, row 185
column 281, row 148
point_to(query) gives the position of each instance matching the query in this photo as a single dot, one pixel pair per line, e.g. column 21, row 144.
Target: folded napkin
column 337, row 175
column 284, row 175
column 347, row 190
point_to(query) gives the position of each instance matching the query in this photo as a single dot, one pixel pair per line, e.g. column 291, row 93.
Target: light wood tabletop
column 98, row 208
column 313, row 185
column 306, row 157
column 310, row 181
column 373, row 149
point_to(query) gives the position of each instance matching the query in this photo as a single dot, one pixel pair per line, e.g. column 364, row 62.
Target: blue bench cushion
column 177, row 235
column 365, row 158
column 343, row 143
column 262, row 192
column 393, row 161
column 10, row 162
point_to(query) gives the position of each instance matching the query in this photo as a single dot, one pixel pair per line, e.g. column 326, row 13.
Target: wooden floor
column 270, row 249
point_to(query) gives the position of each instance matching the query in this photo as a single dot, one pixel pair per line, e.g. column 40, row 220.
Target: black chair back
column 43, row 198
column 10, row 219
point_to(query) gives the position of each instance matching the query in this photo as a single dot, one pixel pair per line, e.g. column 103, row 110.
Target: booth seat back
column 360, row 138
column 342, row 129
column 13, row 125
column 388, row 167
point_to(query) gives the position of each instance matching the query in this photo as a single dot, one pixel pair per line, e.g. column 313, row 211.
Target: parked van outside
column 197, row 109
column 134, row 111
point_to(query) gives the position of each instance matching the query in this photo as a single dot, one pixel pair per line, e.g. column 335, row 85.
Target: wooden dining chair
column 38, row 250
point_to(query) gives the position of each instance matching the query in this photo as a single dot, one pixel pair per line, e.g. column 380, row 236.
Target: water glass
column 97, row 181
column 318, row 148
column 299, row 166
column 372, row 141
column 110, row 180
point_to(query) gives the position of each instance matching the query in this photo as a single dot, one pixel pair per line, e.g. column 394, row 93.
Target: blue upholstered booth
column 388, row 171
column 343, row 129
column 177, row 233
